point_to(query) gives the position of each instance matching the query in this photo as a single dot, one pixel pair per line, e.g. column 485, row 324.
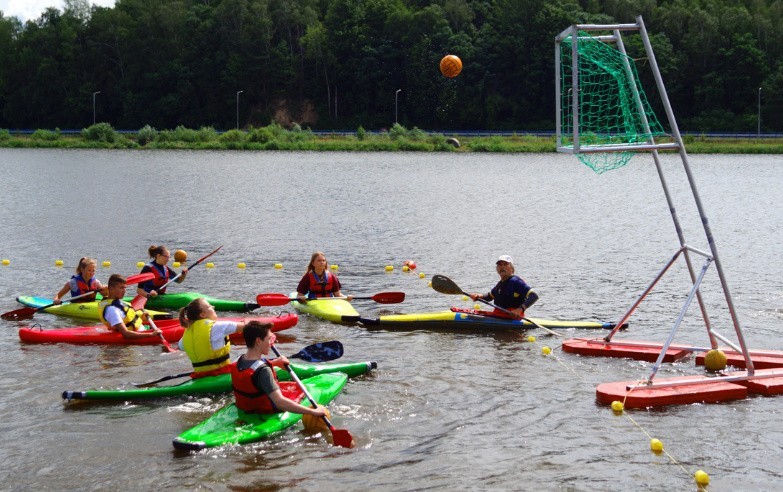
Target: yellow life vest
column 132, row 319
column 198, row 345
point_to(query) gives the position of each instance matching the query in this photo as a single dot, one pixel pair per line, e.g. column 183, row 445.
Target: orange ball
column 450, row 66
column 181, row 256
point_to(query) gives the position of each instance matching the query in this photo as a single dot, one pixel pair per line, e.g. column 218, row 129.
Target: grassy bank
column 275, row 137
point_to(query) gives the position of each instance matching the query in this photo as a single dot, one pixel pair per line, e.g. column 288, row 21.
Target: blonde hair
column 310, row 266
column 83, row 262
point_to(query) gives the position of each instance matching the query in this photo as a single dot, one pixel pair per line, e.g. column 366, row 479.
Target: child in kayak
column 83, row 282
column 511, row 293
column 120, row 316
column 159, row 266
column 256, row 388
column 318, row 281
column 205, row 339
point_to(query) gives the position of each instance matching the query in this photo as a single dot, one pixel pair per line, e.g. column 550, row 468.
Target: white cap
column 505, row 258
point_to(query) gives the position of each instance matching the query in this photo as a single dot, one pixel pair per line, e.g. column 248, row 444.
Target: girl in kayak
column 205, row 339
column 511, row 293
column 159, row 266
column 120, row 316
column 256, row 388
column 83, row 282
column 318, row 281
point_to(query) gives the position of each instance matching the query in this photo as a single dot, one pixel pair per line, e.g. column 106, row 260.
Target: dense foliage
column 339, row 63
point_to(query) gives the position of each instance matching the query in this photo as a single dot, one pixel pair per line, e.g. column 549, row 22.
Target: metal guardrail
column 458, row 133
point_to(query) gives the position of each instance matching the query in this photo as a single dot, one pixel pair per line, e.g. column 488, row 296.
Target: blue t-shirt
column 511, row 293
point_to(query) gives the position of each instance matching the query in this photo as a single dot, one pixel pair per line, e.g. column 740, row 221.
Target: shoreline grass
column 397, row 139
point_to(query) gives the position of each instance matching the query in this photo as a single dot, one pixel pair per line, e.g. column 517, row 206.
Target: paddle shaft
column 312, row 353
column 166, row 345
column 518, row 316
column 29, row 312
column 313, row 403
column 189, row 268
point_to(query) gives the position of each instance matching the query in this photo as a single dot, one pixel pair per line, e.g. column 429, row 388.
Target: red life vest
column 251, row 399
column 82, row 287
column 160, row 277
column 321, row 287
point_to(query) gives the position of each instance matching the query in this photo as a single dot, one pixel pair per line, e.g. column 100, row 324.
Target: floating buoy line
column 618, row 408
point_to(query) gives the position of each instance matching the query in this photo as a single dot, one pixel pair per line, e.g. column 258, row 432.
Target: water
column 444, row 410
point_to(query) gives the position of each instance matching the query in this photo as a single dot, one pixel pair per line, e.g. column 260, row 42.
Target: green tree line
column 338, row 64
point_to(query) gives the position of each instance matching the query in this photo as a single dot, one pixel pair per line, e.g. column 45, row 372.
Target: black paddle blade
column 320, row 352
column 445, row 285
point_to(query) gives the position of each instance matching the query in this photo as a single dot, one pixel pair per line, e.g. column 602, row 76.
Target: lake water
column 444, row 410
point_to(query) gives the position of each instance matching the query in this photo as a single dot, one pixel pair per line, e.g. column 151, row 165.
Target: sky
column 32, row 9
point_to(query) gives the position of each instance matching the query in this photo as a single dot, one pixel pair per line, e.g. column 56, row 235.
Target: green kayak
column 231, row 425
column 89, row 310
column 216, row 384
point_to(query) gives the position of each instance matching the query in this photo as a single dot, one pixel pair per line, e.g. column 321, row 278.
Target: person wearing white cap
column 511, row 293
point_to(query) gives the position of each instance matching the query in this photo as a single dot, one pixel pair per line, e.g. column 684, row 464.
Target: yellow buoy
column 656, row 445
column 278, row 265
column 106, row 263
column 477, row 307
column 715, row 360
column 334, row 267
column 241, row 265
column 175, row 264
column 546, row 350
column 405, row 268
column 58, row 262
column 617, row 406
column 139, row 264
column 210, row 265
column 429, row 284
column 531, row 339
column 421, row 275
column 465, row 298
column 389, row 268
column 701, row 477
column 6, row 262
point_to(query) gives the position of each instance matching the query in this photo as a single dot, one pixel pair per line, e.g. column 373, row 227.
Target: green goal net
column 613, row 114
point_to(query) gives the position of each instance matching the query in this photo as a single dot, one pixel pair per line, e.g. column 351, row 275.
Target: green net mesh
column 609, row 112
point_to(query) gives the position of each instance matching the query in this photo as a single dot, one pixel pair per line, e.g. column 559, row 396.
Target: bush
column 232, row 136
column 397, row 132
column 207, row 134
column 100, row 132
column 46, row 135
column 361, row 133
column 146, row 135
column 4, row 135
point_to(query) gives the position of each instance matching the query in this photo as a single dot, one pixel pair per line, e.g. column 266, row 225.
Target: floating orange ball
column 181, row 256
column 450, row 66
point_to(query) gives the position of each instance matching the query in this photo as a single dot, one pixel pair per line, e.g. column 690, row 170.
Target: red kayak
column 172, row 332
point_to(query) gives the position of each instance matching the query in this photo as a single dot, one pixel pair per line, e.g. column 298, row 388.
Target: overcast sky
column 32, row 9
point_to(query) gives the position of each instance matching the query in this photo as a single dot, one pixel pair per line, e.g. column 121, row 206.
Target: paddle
column 28, row 312
column 189, row 268
column 166, row 345
column 317, row 352
column 445, row 285
column 340, row 437
column 280, row 299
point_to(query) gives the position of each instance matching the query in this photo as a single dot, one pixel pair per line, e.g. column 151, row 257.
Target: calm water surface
column 444, row 410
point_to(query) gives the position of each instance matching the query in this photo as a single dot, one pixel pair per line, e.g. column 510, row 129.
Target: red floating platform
column 628, row 349
column 764, row 383
column 769, row 359
column 703, row 390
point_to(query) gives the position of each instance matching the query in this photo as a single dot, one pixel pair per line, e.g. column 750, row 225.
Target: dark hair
column 191, row 312
column 255, row 329
column 156, row 250
column 116, row 279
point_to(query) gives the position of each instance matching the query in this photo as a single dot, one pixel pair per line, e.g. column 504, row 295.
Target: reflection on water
column 444, row 409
